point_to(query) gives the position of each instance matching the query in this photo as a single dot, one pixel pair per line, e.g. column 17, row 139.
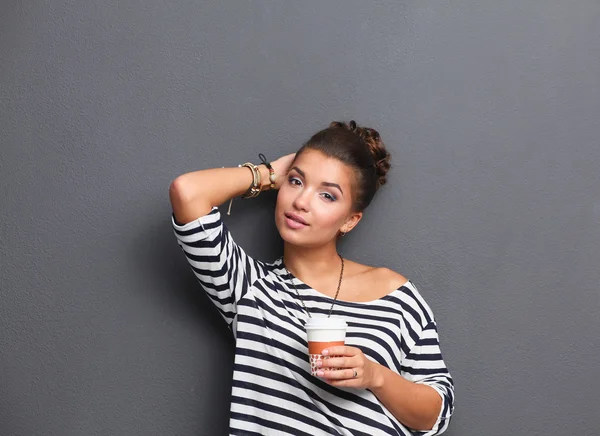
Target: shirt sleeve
column 221, row 266
column 424, row 364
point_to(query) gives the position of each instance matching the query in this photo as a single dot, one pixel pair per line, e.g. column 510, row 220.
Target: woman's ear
column 351, row 222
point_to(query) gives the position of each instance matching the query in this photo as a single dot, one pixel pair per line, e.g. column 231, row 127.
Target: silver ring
column 355, row 374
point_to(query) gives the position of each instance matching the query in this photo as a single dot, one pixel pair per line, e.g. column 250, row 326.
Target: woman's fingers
column 342, row 350
column 341, row 374
column 337, row 362
column 281, row 167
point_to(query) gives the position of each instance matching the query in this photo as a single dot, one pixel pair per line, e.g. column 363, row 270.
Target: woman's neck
column 311, row 263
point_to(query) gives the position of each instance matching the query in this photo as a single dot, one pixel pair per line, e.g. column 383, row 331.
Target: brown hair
column 362, row 149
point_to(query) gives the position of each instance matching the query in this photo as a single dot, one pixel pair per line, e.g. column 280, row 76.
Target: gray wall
column 490, row 108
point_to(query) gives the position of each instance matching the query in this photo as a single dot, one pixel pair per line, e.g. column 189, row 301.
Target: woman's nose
column 302, row 200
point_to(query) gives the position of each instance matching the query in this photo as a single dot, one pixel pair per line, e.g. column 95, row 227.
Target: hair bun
column 381, row 157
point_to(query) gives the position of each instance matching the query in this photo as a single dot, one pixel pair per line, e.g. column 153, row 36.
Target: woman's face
column 314, row 203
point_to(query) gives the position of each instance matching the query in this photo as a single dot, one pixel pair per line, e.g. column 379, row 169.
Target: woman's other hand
column 281, row 167
column 349, row 368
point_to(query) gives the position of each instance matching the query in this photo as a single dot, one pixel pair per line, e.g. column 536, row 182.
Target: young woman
column 389, row 378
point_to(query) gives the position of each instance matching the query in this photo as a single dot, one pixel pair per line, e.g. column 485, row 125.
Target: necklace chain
column 336, row 293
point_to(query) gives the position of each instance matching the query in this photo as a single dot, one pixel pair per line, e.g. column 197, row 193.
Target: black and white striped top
column 273, row 391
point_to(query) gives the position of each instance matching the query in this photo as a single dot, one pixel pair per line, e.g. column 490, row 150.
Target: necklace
column 336, row 293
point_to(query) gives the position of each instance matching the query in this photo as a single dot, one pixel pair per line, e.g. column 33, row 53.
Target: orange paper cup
column 323, row 333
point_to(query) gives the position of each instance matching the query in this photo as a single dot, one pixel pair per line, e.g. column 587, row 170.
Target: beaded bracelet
column 272, row 176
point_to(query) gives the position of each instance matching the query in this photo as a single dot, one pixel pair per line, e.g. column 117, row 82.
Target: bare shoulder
column 390, row 277
column 376, row 282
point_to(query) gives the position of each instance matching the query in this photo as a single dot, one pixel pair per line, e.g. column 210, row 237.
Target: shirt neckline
column 282, row 273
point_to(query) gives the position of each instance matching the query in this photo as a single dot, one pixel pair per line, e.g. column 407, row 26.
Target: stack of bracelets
column 255, row 187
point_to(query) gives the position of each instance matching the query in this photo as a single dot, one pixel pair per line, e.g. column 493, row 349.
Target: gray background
column 490, row 108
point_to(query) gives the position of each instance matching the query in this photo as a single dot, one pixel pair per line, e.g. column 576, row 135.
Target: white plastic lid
column 322, row 322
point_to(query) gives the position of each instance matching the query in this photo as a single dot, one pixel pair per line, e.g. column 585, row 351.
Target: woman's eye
column 328, row 196
column 294, row 181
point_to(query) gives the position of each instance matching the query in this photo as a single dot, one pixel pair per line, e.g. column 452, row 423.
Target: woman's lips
column 295, row 221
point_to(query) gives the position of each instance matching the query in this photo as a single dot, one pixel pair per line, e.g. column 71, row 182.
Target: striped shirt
column 273, row 391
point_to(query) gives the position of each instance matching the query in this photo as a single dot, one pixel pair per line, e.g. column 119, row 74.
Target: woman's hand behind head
column 281, row 167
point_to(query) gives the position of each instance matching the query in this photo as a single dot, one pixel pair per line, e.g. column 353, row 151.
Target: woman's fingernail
column 319, row 363
column 325, row 352
column 320, row 373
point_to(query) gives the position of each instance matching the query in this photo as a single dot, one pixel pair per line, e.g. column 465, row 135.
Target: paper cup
column 323, row 333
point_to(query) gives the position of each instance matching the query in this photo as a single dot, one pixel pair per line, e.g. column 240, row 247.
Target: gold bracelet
column 254, row 188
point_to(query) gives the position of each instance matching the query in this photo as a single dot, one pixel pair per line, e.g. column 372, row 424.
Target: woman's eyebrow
column 333, row 185
column 299, row 171
column 330, row 184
